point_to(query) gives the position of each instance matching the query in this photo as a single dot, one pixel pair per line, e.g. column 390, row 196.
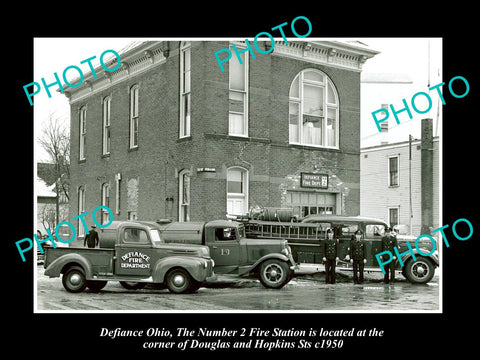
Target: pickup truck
column 234, row 254
column 133, row 253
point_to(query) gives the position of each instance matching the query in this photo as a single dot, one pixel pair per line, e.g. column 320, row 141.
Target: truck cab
column 233, row 253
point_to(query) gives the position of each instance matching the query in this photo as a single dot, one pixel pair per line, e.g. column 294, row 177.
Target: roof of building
column 394, row 144
column 138, row 56
column 43, row 190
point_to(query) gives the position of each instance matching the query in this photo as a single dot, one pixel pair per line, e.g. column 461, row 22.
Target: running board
column 111, row 277
column 309, row 268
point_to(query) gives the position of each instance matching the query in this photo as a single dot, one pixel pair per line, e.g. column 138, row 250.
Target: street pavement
column 304, row 292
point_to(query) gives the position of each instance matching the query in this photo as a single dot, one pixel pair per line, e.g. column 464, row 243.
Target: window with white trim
column 82, row 133
column 81, row 210
column 393, row 216
column 238, row 96
column 313, row 110
column 184, row 196
column 237, row 191
column 105, row 202
column 106, row 126
column 134, row 116
column 185, row 91
column 393, row 171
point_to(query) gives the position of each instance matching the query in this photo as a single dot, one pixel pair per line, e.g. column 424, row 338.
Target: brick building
column 169, row 135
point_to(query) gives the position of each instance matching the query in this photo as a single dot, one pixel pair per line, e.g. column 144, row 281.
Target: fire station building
column 169, row 135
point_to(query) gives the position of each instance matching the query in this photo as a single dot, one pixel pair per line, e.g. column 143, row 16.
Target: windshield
column 155, row 236
column 375, row 230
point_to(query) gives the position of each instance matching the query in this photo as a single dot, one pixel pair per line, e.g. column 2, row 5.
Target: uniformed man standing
column 330, row 258
column 357, row 256
column 91, row 239
column 389, row 243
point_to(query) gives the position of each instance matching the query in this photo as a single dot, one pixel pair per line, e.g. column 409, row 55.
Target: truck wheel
column 130, row 285
column 74, row 280
column 420, row 271
column 179, row 281
column 96, row 285
column 274, row 274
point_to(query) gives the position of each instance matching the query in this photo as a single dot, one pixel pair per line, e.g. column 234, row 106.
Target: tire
column 179, row 281
column 420, row 271
column 74, row 280
column 275, row 274
column 96, row 285
column 130, row 285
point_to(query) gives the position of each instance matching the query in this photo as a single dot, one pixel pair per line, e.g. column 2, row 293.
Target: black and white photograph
column 223, row 180
column 275, row 191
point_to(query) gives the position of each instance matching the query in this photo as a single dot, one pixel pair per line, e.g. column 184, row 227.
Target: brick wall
column 274, row 165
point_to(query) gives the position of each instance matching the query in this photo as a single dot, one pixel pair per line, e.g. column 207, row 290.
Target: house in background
column 46, row 197
column 46, row 205
column 400, row 182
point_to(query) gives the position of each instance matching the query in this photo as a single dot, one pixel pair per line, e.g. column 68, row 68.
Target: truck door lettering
column 135, row 260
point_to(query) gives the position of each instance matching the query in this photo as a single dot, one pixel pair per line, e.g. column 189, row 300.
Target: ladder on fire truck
column 285, row 230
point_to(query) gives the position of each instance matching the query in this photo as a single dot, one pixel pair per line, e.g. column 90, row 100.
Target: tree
column 55, row 140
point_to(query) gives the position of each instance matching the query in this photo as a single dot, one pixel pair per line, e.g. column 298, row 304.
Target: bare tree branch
column 55, row 140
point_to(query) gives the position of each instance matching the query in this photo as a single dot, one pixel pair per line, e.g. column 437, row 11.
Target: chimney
column 427, row 176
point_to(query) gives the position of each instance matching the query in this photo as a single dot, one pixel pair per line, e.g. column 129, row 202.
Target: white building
column 46, row 208
column 399, row 190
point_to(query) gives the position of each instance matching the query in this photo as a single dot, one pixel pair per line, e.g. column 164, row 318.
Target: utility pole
column 410, row 181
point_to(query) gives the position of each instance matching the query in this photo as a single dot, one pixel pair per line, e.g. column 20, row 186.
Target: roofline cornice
column 135, row 60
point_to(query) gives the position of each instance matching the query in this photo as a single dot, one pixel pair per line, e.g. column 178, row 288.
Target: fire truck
column 306, row 236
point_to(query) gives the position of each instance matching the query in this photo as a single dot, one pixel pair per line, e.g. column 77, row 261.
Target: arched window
column 313, row 110
column 184, row 195
column 237, row 191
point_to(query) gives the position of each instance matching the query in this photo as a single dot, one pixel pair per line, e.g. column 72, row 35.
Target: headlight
column 205, row 252
column 285, row 251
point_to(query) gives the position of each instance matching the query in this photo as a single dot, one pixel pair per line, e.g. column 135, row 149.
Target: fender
column 195, row 266
column 406, row 257
column 278, row 256
column 55, row 268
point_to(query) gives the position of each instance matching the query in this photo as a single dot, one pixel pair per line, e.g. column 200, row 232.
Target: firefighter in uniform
column 389, row 243
column 91, row 239
column 330, row 258
column 357, row 256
